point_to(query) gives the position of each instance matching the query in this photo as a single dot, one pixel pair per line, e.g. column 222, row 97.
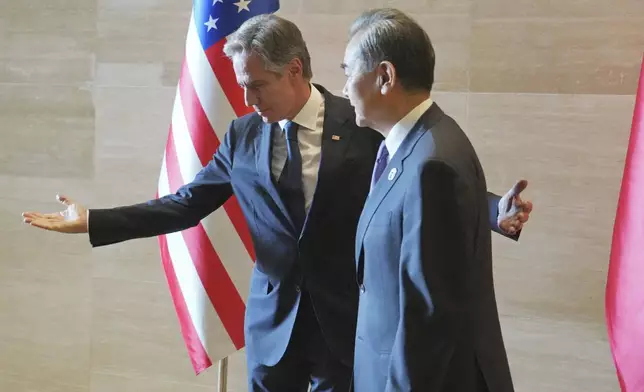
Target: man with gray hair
column 300, row 168
column 427, row 317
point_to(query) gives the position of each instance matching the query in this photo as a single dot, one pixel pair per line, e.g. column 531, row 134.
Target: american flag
column 208, row 267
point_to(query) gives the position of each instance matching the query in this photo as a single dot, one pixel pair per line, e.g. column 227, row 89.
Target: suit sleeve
column 184, row 209
column 435, row 266
column 493, row 204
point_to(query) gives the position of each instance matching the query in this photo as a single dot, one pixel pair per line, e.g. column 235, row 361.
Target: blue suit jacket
column 427, row 318
column 320, row 258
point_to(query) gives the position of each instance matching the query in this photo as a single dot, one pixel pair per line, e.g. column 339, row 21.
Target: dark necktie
column 381, row 164
column 290, row 181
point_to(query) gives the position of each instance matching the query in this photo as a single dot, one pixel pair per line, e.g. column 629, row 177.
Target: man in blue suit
column 427, row 318
column 301, row 170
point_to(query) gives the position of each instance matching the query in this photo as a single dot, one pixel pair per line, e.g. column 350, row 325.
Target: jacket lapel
column 335, row 137
column 389, row 177
column 335, row 140
column 392, row 173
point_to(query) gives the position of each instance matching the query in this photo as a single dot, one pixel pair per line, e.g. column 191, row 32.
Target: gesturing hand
column 513, row 211
column 72, row 220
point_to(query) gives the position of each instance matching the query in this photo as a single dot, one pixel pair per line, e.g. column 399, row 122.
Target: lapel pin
column 335, row 137
column 392, row 174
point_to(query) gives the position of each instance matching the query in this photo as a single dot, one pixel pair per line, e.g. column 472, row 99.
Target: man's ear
column 386, row 76
column 295, row 67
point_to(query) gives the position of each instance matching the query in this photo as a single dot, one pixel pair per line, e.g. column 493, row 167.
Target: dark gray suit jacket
column 427, row 318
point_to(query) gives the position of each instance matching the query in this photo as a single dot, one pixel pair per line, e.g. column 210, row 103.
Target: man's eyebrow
column 343, row 66
column 251, row 83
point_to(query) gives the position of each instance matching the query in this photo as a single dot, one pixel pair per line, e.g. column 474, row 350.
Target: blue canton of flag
column 216, row 19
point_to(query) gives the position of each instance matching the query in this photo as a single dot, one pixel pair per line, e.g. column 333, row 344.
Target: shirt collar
column 308, row 115
column 402, row 128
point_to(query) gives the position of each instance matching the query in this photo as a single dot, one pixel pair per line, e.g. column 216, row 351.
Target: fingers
column 524, row 213
column 53, row 225
column 41, row 221
column 43, row 224
column 512, row 197
column 524, row 209
column 38, row 215
column 518, row 187
column 64, row 200
column 56, row 215
column 511, row 226
column 31, row 214
column 525, row 206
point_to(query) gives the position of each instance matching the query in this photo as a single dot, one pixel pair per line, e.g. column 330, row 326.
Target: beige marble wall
column 544, row 90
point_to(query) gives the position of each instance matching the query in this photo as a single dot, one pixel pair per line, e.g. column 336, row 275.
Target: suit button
column 297, row 288
column 362, row 289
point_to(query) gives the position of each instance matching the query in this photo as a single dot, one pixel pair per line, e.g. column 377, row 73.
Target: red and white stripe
column 208, row 267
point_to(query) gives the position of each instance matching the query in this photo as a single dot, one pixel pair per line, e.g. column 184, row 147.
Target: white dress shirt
column 309, row 136
column 399, row 132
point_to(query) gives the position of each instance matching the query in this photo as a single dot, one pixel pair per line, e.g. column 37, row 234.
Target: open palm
column 72, row 220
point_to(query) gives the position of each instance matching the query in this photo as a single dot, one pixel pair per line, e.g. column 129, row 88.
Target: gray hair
column 275, row 40
column 387, row 34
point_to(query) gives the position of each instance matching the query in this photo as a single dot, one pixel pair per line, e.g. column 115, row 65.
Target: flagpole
column 222, row 375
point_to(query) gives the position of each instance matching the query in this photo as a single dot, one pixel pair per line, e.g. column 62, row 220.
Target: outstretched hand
column 72, row 220
column 513, row 211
